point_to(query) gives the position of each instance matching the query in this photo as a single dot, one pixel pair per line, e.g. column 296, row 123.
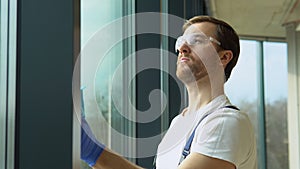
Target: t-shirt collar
column 213, row 105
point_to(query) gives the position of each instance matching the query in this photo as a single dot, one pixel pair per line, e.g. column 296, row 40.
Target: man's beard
column 188, row 75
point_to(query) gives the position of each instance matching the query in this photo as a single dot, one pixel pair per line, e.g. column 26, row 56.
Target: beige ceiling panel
column 293, row 14
column 253, row 18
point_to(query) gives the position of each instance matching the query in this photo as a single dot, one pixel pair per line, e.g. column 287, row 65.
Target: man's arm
column 197, row 160
column 111, row 160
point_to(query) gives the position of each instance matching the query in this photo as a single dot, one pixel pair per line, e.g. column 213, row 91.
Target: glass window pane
column 242, row 89
column 98, row 70
column 275, row 78
column 242, row 86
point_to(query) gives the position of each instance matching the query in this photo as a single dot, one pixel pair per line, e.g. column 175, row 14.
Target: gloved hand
column 91, row 149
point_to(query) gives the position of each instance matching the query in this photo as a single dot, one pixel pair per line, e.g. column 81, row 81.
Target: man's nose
column 184, row 48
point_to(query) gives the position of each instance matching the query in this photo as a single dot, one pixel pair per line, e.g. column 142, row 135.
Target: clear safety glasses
column 194, row 39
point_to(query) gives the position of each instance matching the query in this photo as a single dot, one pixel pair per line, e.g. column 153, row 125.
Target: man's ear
column 225, row 57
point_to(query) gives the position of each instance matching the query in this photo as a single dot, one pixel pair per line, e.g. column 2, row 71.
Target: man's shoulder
column 227, row 119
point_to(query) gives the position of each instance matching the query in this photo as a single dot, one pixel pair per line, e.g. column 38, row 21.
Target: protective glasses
column 194, row 39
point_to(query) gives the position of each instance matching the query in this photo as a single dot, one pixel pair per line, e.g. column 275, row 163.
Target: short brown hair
column 224, row 34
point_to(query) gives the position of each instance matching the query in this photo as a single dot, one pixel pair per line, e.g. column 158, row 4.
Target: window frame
column 8, row 75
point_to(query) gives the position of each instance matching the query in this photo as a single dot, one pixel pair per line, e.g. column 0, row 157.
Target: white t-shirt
column 225, row 134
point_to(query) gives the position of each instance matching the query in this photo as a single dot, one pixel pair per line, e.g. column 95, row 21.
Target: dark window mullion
column 261, row 109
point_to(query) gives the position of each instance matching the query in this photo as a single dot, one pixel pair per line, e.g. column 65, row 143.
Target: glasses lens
column 179, row 42
column 191, row 39
column 196, row 39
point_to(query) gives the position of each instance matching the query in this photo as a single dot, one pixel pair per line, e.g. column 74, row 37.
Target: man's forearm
column 111, row 160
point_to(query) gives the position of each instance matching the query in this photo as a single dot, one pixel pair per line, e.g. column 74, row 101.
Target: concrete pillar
column 293, row 41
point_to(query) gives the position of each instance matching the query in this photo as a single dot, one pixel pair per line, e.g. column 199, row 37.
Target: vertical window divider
column 261, row 108
column 11, row 83
column 164, row 65
column 76, row 140
column 3, row 79
column 129, row 90
column 8, row 48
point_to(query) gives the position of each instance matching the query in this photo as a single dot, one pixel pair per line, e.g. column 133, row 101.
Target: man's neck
column 201, row 92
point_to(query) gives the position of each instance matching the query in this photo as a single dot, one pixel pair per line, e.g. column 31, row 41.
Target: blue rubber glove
column 91, row 149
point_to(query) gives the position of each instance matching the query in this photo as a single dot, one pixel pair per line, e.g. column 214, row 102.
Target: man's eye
column 198, row 41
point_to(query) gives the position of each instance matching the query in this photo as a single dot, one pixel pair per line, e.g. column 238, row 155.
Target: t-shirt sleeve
column 225, row 136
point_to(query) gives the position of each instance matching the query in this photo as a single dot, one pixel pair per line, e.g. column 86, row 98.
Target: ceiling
column 258, row 19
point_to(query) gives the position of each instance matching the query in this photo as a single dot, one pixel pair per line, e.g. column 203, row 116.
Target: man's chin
column 185, row 77
column 188, row 77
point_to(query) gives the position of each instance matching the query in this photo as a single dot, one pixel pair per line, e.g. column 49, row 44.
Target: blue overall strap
column 187, row 147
